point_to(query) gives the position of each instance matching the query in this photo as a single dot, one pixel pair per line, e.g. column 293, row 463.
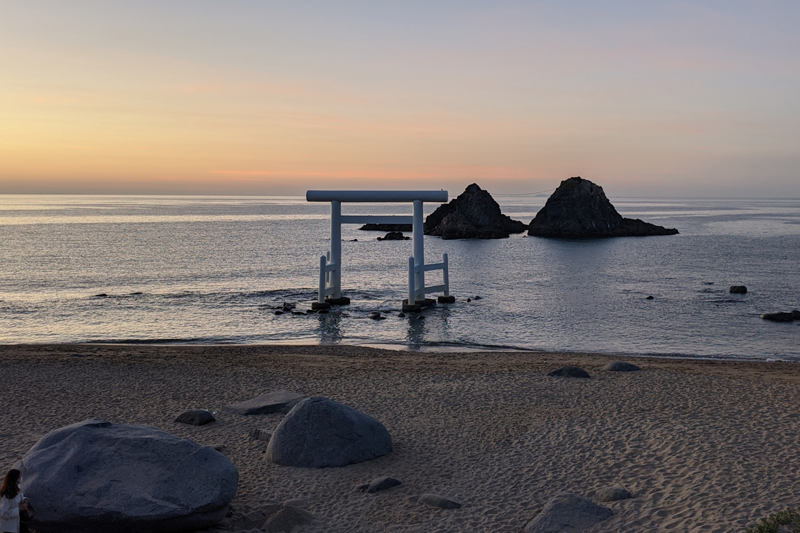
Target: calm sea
column 212, row 269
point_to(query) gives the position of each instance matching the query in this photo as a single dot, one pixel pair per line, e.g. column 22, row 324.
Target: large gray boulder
column 473, row 215
column 567, row 512
column 319, row 433
column 579, row 209
column 98, row 476
column 279, row 401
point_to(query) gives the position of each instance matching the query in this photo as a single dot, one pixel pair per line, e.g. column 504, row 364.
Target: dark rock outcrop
column 386, row 227
column 473, row 215
column 319, row 433
column 737, row 289
column 579, row 209
column 567, row 512
column 97, row 476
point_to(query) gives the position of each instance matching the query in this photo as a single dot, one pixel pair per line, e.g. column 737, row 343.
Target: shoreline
column 703, row 445
column 401, row 348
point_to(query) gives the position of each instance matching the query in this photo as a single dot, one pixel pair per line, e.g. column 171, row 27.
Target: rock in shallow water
column 97, row 476
column 394, row 236
column 319, row 433
column 778, row 317
column 567, row 512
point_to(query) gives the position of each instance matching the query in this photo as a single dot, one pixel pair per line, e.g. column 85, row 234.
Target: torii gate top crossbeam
column 376, row 196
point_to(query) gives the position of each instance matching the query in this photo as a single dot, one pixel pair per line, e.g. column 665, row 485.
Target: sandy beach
column 705, row 446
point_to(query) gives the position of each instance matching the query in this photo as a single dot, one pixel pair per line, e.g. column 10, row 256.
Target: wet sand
column 703, row 445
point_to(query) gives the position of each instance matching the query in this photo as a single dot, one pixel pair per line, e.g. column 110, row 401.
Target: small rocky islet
column 579, row 209
column 474, row 214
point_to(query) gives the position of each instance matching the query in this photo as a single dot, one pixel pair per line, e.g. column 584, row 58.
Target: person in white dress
column 10, row 498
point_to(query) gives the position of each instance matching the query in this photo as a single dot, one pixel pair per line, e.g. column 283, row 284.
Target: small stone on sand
column 379, row 484
column 569, row 372
column 195, row 417
column 567, row 512
column 434, row 500
column 612, row 494
column 621, row 366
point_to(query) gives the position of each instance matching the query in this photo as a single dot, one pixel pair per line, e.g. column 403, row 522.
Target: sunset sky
column 259, row 97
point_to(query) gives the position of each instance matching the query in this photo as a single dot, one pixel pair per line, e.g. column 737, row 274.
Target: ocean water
column 212, row 270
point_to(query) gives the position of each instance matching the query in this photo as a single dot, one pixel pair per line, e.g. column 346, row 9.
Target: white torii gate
column 330, row 271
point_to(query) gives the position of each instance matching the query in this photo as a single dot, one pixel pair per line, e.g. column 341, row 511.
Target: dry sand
column 704, row 446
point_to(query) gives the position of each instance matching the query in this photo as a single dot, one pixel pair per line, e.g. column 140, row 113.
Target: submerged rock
column 579, row 209
column 98, row 476
column 319, row 433
column 474, row 214
column 567, row 512
column 737, row 289
column 778, row 317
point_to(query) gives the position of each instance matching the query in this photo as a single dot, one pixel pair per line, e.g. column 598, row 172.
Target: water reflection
column 329, row 327
column 416, row 331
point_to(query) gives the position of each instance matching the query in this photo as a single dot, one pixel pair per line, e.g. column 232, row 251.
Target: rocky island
column 473, row 215
column 579, row 209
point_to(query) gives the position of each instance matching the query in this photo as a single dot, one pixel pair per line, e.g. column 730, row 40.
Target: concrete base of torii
column 417, row 306
column 343, row 300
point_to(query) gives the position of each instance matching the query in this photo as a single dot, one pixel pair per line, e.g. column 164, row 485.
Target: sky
column 262, row 97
